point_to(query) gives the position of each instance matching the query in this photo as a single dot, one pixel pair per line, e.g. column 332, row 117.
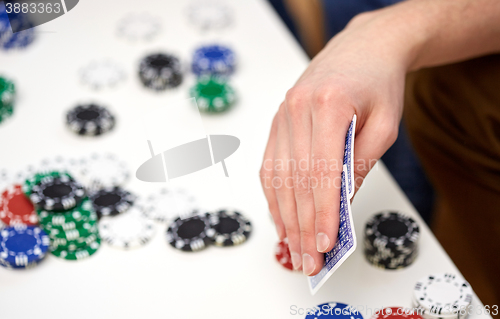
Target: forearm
column 424, row 33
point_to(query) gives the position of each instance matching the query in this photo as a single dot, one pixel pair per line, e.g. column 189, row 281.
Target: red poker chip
column 397, row 313
column 16, row 208
column 282, row 254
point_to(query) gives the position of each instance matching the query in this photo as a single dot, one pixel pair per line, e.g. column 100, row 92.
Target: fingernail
column 296, row 260
column 322, row 242
column 308, row 264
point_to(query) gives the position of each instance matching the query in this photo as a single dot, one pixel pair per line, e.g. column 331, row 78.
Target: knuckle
column 306, row 232
column 320, row 168
column 294, row 97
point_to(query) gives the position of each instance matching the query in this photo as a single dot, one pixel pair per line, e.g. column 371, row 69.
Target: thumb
column 372, row 140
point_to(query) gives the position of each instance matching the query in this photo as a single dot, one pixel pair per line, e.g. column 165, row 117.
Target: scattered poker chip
column 442, row 295
column 334, row 310
column 210, row 15
column 83, row 223
column 79, row 214
column 139, row 27
column 391, row 240
column 18, row 21
column 90, row 119
column 160, row 71
column 64, row 244
column 213, row 95
column 35, row 177
column 283, row 255
column 231, row 228
column 215, row 60
column 16, row 208
column 102, row 170
column 7, row 98
column 191, row 234
column 102, row 74
column 5, row 179
column 79, row 253
column 111, row 201
column 57, row 193
column 22, row 245
column 47, row 165
column 396, row 313
column 128, row 230
column 86, row 230
column 170, row 204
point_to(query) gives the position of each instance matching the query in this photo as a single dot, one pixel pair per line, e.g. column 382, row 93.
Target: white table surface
column 158, row 281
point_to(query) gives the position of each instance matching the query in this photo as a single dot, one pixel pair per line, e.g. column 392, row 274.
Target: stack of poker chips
column 397, row 313
column 223, row 228
column 442, row 296
column 22, row 246
column 333, row 310
column 65, row 213
column 213, row 65
column 7, row 98
column 391, row 240
column 90, row 120
column 160, row 71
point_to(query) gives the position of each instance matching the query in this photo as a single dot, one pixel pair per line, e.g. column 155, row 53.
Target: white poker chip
column 5, row 179
column 210, row 15
column 100, row 171
column 169, row 204
column 139, row 27
column 102, row 74
column 128, row 230
column 442, row 295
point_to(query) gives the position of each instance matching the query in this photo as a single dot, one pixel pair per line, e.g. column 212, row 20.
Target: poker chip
column 169, row 204
column 22, row 245
column 391, row 240
column 79, row 253
column 102, row 74
column 442, row 295
column 396, row 313
column 213, row 95
column 160, row 71
column 18, row 21
column 86, row 230
column 128, row 230
column 283, row 255
column 231, row 228
column 79, row 214
column 101, row 171
column 57, row 193
column 84, row 223
column 210, row 15
column 64, row 244
column 35, row 177
column 5, row 179
column 191, row 234
column 139, row 27
column 111, row 201
column 7, row 98
column 213, row 60
column 16, row 208
column 90, row 120
column 334, row 310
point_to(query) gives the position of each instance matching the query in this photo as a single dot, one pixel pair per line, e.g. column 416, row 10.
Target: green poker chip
column 63, row 244
column 213, row 95
column 73, row 234
column 79, row 253
column 84, row 212
column 39, row 177
column 7, row 98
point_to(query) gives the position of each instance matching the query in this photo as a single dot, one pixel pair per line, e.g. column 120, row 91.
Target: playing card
column 349, row 156
column 346, row 241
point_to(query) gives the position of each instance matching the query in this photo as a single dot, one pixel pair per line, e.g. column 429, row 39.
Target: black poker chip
column 191, row 234
column 57, row 193
column 160, row 71
column 90, row 119
column 111, row 201
column 231, row 228
column 391, row 240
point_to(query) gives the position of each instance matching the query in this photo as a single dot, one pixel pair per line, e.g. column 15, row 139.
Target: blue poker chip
column 334, row 310
column 22, row 246
column 10, row 40
column 213, row 60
